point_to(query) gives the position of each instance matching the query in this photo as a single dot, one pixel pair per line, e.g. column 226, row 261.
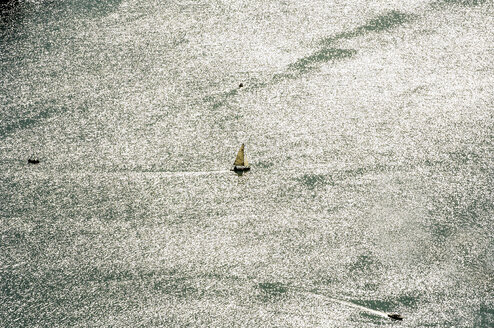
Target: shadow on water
column 239, row 173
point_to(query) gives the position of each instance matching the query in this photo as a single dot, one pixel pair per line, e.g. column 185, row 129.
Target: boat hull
column 240, row 168
column 395, row 316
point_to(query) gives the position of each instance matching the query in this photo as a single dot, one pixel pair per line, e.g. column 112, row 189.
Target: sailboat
column 241, row 164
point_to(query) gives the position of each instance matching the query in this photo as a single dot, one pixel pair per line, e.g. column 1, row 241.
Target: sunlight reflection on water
column 367, row 128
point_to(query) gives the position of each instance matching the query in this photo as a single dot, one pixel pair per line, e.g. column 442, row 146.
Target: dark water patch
column 218, row 101
column 264, row 164
column 330, row 53
column 272, row 291
column 379, row 305
column 59, row 297
column 443, row 230
column 419, row 89
column 365, row 271
column 466, row 205
column 321, row 56
column 16, row 286
column 409, row 301
column 364, row 170
column 485, row 316
column 430, row 163
column 8, row 2
column 13, row 237
column 323, row 280
column 18, row 298
column 29, row 296
column 180, row 288
column 383, row 22
column 44, row 13
column 466, row 3
column 342, row 35
column 7, row 7
column 464, row 156
column 22, row 123
column 312, row 181
column 33, row 115
column 109, row 275
column 11, row 14
column 386, row 21
column 82, row 8
column 461, row 209
column 278, row 77
column 364, row 265
column 356, row 172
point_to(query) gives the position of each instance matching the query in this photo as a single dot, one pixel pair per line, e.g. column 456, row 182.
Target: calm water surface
column 369, row 128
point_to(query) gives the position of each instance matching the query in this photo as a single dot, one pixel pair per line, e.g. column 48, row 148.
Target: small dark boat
column 395, row 316
column 33, row 161
column 241, row 164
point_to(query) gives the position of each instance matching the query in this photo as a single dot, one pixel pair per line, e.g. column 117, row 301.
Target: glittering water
column 368, row 126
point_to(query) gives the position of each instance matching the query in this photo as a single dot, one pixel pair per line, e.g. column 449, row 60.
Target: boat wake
column 173, row 174
column 342, row 302
column 356, row 306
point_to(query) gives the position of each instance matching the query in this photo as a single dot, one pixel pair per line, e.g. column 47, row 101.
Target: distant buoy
column 240, row 85
column 395, row 316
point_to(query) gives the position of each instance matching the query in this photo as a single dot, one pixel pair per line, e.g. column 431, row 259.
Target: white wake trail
column 350, row 304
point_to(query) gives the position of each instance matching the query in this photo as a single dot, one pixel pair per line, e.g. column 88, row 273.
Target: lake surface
column 368, row 126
